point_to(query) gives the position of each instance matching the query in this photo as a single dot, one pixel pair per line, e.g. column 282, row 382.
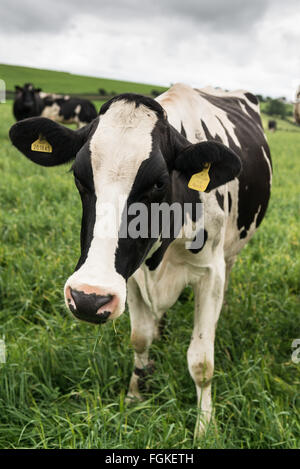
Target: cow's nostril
column 102, row 317
column 86, row 305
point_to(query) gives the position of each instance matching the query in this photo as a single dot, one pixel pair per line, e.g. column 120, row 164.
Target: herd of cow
column 187, row 148
column 31, row 101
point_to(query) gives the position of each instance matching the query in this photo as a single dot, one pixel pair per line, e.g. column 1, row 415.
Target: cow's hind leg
column 144, row 328
column 208, row 303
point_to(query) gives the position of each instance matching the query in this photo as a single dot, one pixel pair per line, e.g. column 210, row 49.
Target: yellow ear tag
column 41, row 144
column 199, row 181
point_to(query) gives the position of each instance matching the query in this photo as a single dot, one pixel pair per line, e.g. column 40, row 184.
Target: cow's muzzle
column 90, row 306
column 28, row 105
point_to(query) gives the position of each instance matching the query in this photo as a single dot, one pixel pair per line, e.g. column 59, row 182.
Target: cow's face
column 26, row 96
column 120, row 165
column 125, row 156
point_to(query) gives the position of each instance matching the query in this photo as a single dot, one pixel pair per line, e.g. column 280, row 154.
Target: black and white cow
column 145, row 150
column 30, row 102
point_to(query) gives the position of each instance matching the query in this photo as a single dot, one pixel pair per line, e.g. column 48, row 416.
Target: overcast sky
column 250, row 44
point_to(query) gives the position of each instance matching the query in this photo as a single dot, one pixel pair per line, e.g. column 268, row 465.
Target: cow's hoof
column 205, row 422
column 132, row 399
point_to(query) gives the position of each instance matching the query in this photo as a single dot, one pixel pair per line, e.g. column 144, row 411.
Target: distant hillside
column 63, row 82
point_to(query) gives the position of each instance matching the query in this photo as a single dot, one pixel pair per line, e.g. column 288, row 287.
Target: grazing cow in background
column 272, row 125
column 30, row 102
column 297, row 106
column 158, row 153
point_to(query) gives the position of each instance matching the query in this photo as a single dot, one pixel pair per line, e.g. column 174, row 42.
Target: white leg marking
column 144, row 328
column 208, row 303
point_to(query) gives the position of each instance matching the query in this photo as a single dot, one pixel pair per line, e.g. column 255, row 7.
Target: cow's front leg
column 208, row 303
column 144, row 328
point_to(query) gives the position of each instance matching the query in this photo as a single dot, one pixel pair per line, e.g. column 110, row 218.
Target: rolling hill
column 63, row 82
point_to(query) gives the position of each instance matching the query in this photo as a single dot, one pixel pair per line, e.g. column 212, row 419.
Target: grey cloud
column 29, row 16
column 230, row 43
column 229, row 15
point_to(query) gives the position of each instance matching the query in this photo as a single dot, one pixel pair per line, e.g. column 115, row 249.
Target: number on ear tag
column 200, row 181
column 41, row 144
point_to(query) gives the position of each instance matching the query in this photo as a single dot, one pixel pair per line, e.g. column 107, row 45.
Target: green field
column 63, row 82
column 64, row 382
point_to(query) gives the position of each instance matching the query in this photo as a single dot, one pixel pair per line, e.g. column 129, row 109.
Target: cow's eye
column 159, row 185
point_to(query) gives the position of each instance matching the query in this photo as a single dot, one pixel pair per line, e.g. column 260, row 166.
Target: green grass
column 63, row 82
column 64, row 382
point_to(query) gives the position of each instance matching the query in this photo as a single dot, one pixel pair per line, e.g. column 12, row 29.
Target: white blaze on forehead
column 121, row 142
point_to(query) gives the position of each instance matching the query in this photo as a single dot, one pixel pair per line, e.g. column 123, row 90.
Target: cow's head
column 126, row 155
column 27, row 99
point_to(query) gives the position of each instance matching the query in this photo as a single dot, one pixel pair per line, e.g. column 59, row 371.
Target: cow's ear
column 37, row 90
column 208, row 165
column 18, row 89
column 46, row 142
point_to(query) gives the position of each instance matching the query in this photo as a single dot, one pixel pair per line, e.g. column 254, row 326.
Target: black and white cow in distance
column 148, row 150
column 30, row 102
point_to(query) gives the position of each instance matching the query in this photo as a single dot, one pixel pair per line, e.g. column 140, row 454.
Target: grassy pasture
column 64, row 382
